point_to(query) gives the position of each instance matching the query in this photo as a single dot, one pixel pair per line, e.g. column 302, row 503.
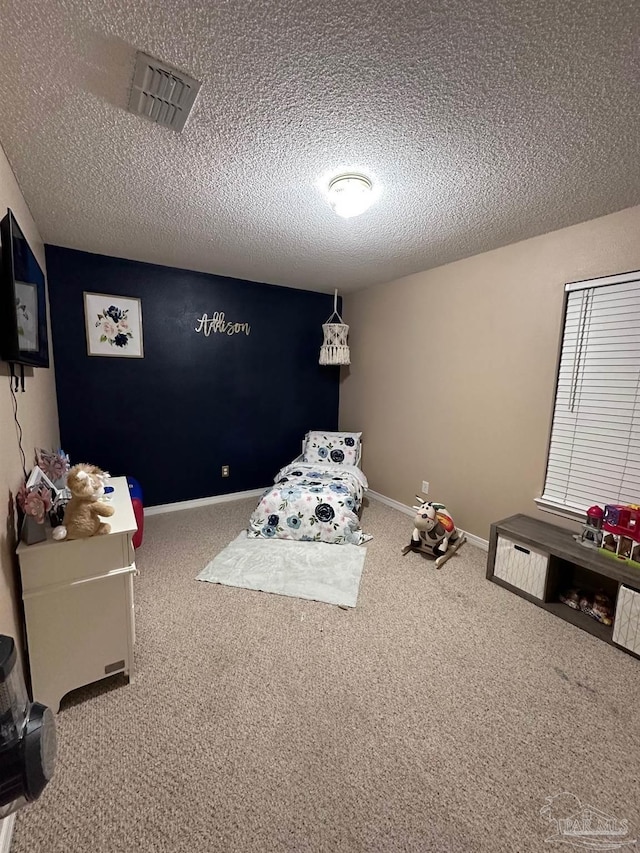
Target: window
column 594, row 449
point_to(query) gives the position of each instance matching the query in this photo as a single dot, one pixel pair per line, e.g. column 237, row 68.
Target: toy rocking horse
column 434, row 532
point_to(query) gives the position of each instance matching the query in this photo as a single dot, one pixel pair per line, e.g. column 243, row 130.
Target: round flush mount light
column 350, row 194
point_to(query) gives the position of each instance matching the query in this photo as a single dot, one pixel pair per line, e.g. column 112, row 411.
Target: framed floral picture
column 114, row 325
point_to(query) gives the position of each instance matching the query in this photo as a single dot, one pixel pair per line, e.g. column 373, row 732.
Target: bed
column 318, row 496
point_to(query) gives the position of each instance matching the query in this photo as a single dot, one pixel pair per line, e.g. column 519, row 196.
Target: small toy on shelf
column 591, row 535
column 434, row 532
column 570, row 597
column 621, row 532
column 598, row 604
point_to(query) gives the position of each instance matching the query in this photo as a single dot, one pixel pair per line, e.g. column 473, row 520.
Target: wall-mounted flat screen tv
column 23, row 301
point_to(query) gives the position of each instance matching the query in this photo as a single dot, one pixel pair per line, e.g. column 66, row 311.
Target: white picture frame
column 38, row 476
column 113, row 325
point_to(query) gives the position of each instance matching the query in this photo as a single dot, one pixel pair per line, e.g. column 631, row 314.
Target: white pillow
column 342, row 448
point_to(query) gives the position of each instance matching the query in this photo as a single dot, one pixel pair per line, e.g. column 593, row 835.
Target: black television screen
column 23, row 301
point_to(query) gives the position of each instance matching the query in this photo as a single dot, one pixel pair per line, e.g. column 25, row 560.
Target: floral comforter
column 312, row 502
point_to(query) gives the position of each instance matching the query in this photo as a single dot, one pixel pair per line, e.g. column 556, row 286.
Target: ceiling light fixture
column 350, row 195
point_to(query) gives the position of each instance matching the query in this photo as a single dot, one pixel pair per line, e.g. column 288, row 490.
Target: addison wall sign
column 217, row 323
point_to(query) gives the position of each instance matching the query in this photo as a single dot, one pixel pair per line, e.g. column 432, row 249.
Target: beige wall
column 453, row 370
column 37, row 412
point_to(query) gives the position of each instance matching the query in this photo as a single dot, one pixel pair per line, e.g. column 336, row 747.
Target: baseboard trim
column 477, row 541
column 383, row 499
column 159, row 509
column 6, row 832
column 407, row 510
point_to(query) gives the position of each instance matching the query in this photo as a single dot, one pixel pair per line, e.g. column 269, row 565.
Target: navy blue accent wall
column 193, row 403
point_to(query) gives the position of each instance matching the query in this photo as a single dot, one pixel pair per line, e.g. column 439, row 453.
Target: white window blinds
column 594, row 451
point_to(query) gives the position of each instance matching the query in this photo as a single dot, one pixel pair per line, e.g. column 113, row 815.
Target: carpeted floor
column 436, row 716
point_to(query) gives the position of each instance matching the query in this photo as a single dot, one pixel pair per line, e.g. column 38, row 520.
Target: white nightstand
column 78, row 604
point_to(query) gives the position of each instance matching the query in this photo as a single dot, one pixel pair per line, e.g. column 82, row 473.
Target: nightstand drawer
column 66, row 561
column 521, row 566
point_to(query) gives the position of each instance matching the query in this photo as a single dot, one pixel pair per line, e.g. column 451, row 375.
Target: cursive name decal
column 217, row 323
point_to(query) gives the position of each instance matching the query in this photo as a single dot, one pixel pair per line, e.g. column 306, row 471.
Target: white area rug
column 313, row 570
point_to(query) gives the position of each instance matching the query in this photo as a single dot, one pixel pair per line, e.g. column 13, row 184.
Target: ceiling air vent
column 161, row 93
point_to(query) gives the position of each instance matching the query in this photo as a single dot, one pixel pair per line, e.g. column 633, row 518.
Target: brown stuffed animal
column 82, row 513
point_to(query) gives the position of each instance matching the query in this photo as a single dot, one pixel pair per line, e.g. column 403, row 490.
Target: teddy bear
column 82, row 513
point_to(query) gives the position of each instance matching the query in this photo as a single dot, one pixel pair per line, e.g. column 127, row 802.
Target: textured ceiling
column 481, row 123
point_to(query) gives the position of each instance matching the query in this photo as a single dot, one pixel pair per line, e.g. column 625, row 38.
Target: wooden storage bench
column 536, row 560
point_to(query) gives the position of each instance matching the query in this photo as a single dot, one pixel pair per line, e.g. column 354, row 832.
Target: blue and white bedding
column 312, row 502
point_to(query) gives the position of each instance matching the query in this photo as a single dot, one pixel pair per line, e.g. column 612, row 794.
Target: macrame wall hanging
column 334, row 349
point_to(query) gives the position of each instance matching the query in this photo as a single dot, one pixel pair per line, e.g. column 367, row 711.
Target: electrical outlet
column 225, row 470
column 425, row 487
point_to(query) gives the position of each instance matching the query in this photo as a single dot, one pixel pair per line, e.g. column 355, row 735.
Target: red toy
column 135, row 492
column 621, row 527
column 591, row 535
